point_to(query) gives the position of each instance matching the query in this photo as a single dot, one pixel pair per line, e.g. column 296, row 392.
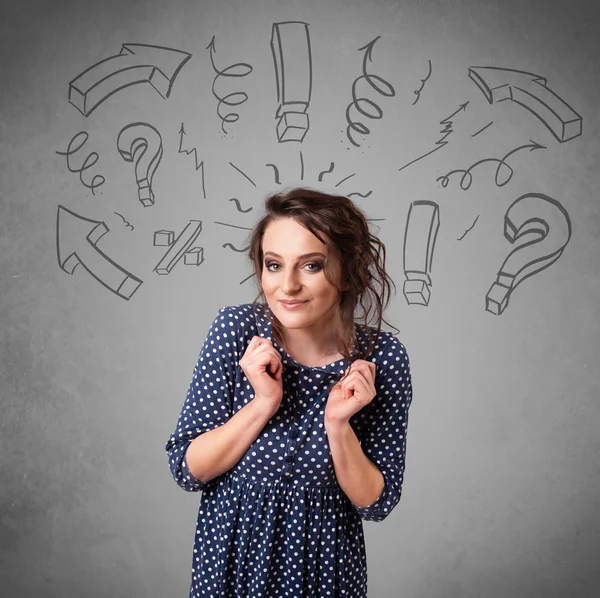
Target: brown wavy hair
column 361, row 255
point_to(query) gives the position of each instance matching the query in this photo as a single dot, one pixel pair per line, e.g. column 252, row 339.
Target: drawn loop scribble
column 89, row 161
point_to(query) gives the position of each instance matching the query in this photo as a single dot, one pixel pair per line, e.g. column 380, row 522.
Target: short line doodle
column 328, row 171
column 482, row 130
column 467, row 177
column 235, row 248
column 345, row 179
column 235, row 98
column 90, row 160
column 127, row 224
column 445, row 132
column 275, row 172
column 238, row 205
column 384, row 88
column 360, row 194
column 470, row 228
column 247, row 278
column 417, row 92
column 232, row 225
column 301, row 166
column 242, row 173
column 192, row 151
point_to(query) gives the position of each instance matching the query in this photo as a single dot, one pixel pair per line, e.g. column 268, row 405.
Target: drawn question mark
column 422, row 225
column 142, row 143
column 550, row 224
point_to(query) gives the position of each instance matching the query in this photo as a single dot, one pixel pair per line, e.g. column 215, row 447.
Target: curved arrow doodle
column 467, row 177
column 77, row 243
column 530, row 91
column 384, row 88
column 235, row 98
column 136, row 63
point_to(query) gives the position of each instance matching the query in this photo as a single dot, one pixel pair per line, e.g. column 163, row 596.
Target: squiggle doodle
column 467, row 177
column 360, row 194
column 470, row 228
column 192, row 151
column 275, row 172
column 90, row 160
column 127, row 224
column 328, row 171
column 235, row 248
column 231, row 99
column 417, row 92
column 238, row 205
column 442, row 141
column 384, row 88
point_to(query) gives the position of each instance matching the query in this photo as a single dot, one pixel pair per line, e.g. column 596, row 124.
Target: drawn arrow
column 531, row 92
column 136, row 63
column 76, row 243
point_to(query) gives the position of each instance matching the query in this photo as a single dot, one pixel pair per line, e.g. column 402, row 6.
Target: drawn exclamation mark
column 290, row 44
column 422, row 225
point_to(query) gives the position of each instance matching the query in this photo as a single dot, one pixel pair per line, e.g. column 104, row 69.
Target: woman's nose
column 290, row 282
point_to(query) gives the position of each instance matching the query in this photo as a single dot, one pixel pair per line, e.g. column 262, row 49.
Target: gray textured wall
column 107, row 290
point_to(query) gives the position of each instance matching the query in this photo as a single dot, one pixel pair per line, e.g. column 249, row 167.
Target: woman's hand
column 352, row 393
column 263, row 367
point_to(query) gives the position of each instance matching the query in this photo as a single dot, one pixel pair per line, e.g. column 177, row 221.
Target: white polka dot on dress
column 277, row 524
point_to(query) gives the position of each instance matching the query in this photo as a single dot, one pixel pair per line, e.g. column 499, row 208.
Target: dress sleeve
column 384, row 426
column 209, row 400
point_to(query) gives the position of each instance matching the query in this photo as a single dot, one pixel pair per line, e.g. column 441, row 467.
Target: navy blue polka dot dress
column 278, row 524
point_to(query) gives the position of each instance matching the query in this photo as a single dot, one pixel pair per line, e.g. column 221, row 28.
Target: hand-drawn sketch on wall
column 238, row 205
column 501, row 178
column 275, row 173
column 417, row 92
column 89, row 161
column 327, row 171
column 242, row 173
column 136, row 63
column 290, row 44
column 127, row 223
column 549, row 222
column 384, row 88
column 531, row 92
column 446, row 131
column 192, row 151
column 179, row 247
column 236, row 98
column 469, row 229
column 482, row 129
column 422, row 225
column 77, row 243
column 142, row 144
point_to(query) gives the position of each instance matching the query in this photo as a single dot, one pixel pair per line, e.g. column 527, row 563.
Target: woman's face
column 290, row 274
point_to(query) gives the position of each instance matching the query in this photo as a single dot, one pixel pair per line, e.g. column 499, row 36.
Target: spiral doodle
column 89, row 161
column 236, row 98
column 362, row 104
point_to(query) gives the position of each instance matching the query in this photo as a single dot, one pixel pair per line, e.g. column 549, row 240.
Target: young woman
column 294, row 424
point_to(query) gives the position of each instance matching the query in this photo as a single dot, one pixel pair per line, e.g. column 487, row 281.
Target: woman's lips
column 293, row 305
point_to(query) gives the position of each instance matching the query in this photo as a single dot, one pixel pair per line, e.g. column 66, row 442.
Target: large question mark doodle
column 422, row 225
column 549, row 222
column 530, row 91
column 77, row 243
column 141, row 143
column 290, row 44
column 136, row 63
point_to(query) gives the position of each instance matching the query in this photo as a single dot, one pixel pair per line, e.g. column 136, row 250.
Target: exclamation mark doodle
column 290, row 43
column 422, row 226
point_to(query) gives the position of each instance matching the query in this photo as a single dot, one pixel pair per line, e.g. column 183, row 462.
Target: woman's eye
column 316, row 265
column 312, row 266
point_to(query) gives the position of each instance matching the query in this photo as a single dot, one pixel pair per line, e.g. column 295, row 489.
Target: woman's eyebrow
column 305, row 255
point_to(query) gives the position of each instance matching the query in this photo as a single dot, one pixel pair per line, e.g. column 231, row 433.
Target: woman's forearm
column 218, row 450
column 359, row 478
